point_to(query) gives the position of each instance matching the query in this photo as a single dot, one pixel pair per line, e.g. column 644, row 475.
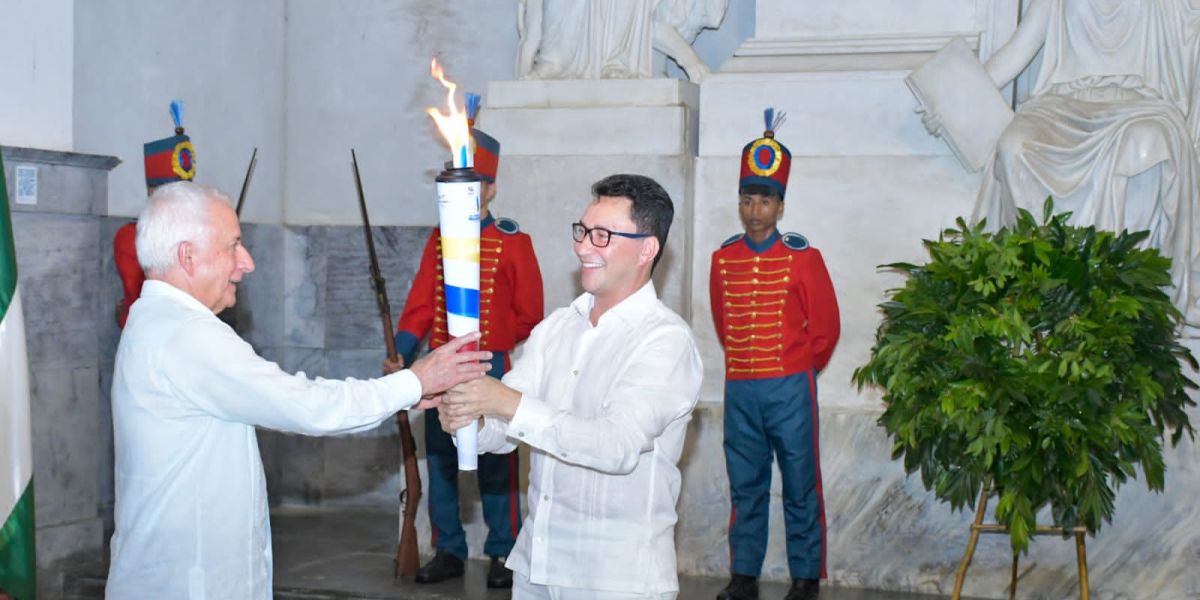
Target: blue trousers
column 774, row 418
column 497, row 488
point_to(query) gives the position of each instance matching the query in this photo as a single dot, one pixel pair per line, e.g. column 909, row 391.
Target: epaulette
column 795, row 241
column 507, row 225
column 732, row 239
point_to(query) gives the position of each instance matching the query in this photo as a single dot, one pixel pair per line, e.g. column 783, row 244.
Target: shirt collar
column 765, row 245
column 154, row 287
column 488, row 220
column 630, row 310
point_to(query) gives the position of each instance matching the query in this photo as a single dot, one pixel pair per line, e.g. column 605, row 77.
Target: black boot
column 443, row 566
column 498, row 575
column 804, row 589
column 741, row 587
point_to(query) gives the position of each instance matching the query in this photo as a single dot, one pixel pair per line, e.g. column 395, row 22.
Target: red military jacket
column 132, row 277
column 774, row 307
column 510, row 291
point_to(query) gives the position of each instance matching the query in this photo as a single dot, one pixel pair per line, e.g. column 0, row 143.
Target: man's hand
column 483, row 397
column 393, row 366
column 427, row 402
column 449, row 366
column 452, row 424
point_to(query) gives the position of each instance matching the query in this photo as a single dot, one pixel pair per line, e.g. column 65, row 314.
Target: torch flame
column 452, row 125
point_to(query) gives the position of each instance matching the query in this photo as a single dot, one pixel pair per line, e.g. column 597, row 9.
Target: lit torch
column 458, row 215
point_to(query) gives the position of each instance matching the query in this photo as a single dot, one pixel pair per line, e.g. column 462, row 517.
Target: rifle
column 246, row 181
column 407, row 556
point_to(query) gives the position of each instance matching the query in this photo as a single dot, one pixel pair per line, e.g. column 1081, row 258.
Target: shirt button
column 546, row 497
column 575, row 372
column 521, row 434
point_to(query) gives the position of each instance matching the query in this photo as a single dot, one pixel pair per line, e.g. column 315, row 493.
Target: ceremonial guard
column 776, row 316
column 510, row 305
column 167, row 160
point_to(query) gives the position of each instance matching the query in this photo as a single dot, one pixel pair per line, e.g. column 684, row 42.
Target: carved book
column 954, row 86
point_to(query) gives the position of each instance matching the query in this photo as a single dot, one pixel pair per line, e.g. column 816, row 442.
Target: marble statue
column 611, row 39
column 1111, row 128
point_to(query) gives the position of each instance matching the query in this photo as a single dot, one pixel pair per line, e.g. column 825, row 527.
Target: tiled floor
column 347, row 554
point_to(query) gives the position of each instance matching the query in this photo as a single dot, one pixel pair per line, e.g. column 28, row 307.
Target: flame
column 452, row 125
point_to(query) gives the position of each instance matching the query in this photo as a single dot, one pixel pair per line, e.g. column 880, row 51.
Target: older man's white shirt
column 191, row 505
column 605, row 410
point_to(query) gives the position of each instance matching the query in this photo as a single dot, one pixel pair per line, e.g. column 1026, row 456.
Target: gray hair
column 176, row 213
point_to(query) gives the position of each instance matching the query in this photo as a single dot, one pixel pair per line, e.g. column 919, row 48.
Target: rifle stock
column 408, row 558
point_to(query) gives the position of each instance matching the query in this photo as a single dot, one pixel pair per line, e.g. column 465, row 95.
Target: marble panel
column 828, row 113
column 57, row 267
column 615, row 93
column 259, row 314
column 64, row 421
column 303, row 290
column 780, row 18
column 594, row 131
column 352, row 312
column 363, row 466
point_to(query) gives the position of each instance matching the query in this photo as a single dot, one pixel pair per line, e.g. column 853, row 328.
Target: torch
column 458, row 219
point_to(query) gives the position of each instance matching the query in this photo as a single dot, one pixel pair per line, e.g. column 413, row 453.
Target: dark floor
column 347, row 555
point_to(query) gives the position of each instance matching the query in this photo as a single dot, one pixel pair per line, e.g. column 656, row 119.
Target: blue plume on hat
column 473, row 101
column 177, row 114
column 773, row 120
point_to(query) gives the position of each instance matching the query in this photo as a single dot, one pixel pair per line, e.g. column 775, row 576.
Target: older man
column 191, row 506
column 602, row 395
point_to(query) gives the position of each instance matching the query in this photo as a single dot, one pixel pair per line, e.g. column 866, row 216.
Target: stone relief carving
column 1111, row 128
column 611, row 39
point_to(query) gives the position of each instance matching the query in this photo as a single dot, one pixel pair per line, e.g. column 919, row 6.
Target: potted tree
column 1042, row 360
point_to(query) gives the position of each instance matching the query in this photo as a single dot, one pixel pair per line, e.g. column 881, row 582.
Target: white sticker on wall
column 26, row 184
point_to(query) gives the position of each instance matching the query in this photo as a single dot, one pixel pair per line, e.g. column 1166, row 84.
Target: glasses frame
column 578, row 227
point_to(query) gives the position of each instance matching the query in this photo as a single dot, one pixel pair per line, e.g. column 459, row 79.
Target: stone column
column 69, row 288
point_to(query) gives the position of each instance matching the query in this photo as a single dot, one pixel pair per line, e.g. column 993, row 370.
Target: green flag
column 17, row 565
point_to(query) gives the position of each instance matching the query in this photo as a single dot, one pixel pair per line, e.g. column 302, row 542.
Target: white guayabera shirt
column 605, row 410
column 191, row 499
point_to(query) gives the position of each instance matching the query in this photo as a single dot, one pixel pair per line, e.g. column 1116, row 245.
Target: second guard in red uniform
column 776, row 315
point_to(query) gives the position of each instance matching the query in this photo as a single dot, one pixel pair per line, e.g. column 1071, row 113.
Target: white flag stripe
column 16, row 457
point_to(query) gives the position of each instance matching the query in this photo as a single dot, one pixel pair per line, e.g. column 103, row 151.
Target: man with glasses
column 602, row 395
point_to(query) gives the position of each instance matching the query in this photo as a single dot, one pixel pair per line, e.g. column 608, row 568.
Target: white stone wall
column 224, row 59
column 37, row 45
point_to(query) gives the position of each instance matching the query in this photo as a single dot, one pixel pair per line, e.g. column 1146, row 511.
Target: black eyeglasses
column 599, row 235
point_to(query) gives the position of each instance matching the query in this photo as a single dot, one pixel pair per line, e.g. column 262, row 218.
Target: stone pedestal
column 559, row 137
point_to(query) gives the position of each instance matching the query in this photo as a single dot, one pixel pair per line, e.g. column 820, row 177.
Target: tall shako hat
column 486, row 147
column 765, row 161
column 173, row 158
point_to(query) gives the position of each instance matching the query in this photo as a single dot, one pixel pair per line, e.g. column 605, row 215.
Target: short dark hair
column 758, row 189
column 651, row 210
